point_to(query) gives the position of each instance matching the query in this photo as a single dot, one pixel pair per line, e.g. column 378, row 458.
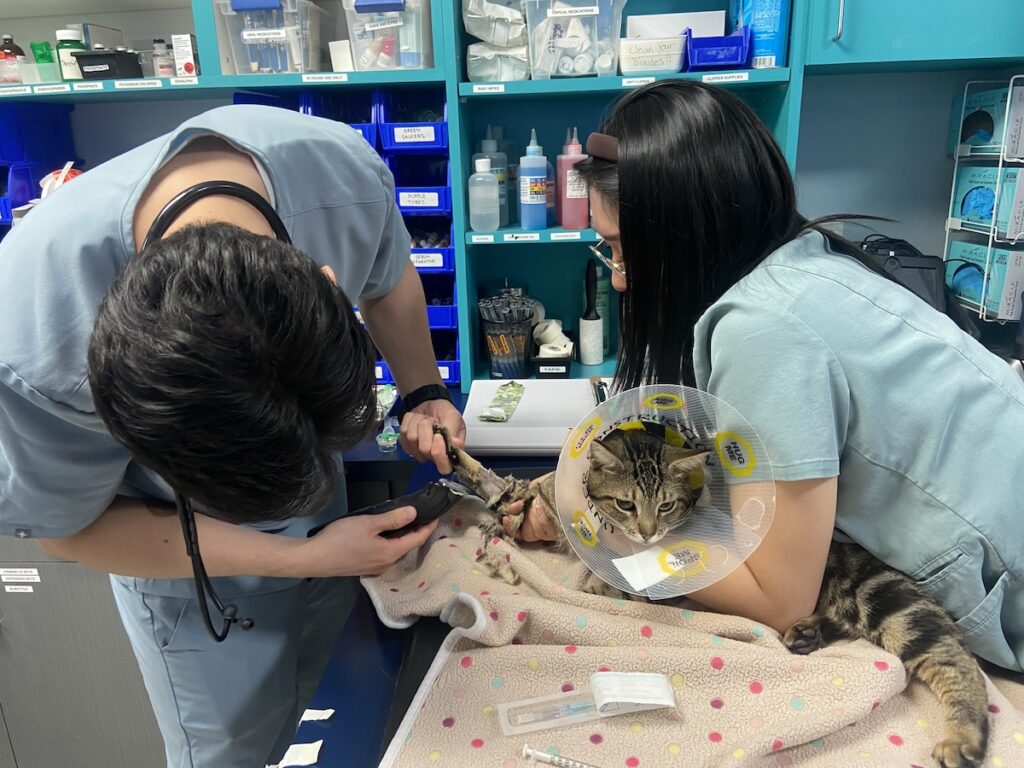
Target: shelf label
column 432, row 259
column 19, row 90
column 254, row 35
column 55, row 88
column 378, row 372
column 481, row 238
column 415, row 133
column 521, row 237
column 184, row 81
column 373, row 26
column 489, row 88
column 566, row 236
column 587, row 10
column 95, row 86
column 5, row 572
column 133, row 84
column 636, row 82
column 19, row 588
column 419, row 199
column 445, row 371
column 19, row 579
column 551, row 369
column 726, row 77
column 325, row 77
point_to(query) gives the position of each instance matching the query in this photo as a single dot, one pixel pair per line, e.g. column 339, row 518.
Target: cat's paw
column 805, row 636
column 515, row 522
column 597, row 586
column 959, row 752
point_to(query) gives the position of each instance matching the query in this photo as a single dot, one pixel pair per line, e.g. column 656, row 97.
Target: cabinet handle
column 839, row 25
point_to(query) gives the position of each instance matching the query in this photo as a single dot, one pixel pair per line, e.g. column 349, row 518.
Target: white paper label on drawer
column 566, row 235
column 521, row 237
column 419, row 199
column 415, row 134
column 136, row 84
column 428, row 259
column 88, row 86
column 253, row 35
column 636, row 82
column 551, row 368
column 481, row 238
column 489, row 88
column 20, row 90
column 727, row 77
column 18, row 588
column 587, row 10
column 325, row 77
column 445, row 371
column 55, row 88
column 19, row 571
column 373, row 26
column 184, row 81
column 19, row 579
column 378, row 372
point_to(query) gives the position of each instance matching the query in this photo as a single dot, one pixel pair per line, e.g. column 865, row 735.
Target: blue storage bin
column 422, row 185
column 34, row 131
column 284, row 100
column 382, row 373
column 432, row 260
column 19, row 183
column 446, row 352
column 357, row 110
column 402, row 129
column 440, row 288
column 730, row 52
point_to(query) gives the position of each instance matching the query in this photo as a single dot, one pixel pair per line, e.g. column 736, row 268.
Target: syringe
column 560, row 761
column 555, row 712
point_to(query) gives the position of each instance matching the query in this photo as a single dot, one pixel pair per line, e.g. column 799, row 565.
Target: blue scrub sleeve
column 59, row 469
column 783, row 379
column 392, row 255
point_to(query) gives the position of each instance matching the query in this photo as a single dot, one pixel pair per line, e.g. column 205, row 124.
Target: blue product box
column 982, row 127
column 1005, row 283
column 974, row 195
column 769, row 25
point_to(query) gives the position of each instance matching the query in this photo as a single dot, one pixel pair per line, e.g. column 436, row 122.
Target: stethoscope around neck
column 163, row 220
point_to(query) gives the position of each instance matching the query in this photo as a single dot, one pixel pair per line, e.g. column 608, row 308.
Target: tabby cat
column 641, row 485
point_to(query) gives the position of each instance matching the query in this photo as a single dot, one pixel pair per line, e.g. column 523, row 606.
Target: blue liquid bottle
column 533, row 187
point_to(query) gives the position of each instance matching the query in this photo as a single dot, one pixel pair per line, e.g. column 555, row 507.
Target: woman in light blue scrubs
column 885, row 422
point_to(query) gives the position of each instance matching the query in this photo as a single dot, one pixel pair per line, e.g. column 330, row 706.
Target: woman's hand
column 537, row 526
column 418, row 438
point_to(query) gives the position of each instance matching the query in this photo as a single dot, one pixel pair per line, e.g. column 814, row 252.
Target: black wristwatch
column 422, row 395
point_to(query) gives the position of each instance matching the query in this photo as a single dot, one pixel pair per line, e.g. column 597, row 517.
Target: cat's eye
column 625, row 505
column 667, row 506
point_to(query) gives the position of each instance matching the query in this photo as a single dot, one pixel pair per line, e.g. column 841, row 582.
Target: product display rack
column 957, row 230
column 544, row 262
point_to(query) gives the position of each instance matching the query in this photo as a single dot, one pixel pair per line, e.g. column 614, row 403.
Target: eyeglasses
column 229, row 613
column 605, row 257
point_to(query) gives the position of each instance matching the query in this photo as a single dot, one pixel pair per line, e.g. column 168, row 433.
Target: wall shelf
column 516, row 236
column 582, row 86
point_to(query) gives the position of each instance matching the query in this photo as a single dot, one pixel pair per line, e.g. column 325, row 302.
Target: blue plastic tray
column 35, row 131
column 422, row 185
column 400, row 135
column 730, row 52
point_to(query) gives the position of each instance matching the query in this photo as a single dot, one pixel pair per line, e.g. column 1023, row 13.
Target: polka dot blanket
column 742, row 699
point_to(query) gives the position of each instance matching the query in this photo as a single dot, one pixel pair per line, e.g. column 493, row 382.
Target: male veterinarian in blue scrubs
column 223, row 369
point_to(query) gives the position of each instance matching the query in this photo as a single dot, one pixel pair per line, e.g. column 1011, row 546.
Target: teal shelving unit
column 878, row 36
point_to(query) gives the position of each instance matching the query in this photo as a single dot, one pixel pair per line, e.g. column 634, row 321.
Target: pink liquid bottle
column 572, row 189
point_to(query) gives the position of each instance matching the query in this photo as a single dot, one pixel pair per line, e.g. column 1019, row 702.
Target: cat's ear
column 603, row 460
column 684, row 466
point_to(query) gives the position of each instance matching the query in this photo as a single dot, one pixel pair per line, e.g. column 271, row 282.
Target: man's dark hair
column 229, row 364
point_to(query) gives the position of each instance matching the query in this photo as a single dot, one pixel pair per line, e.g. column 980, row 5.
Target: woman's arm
column 779, row 583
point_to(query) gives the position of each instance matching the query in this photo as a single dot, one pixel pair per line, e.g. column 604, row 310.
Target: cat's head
column 642, row 485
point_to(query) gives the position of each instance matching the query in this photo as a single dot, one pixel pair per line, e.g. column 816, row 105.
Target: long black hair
column 703, row 195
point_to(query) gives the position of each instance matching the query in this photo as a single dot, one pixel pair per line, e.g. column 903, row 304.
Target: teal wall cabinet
column 856, row 34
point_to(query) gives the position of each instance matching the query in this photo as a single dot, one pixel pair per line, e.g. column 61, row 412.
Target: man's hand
column 418, row 438
column 353, row 546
